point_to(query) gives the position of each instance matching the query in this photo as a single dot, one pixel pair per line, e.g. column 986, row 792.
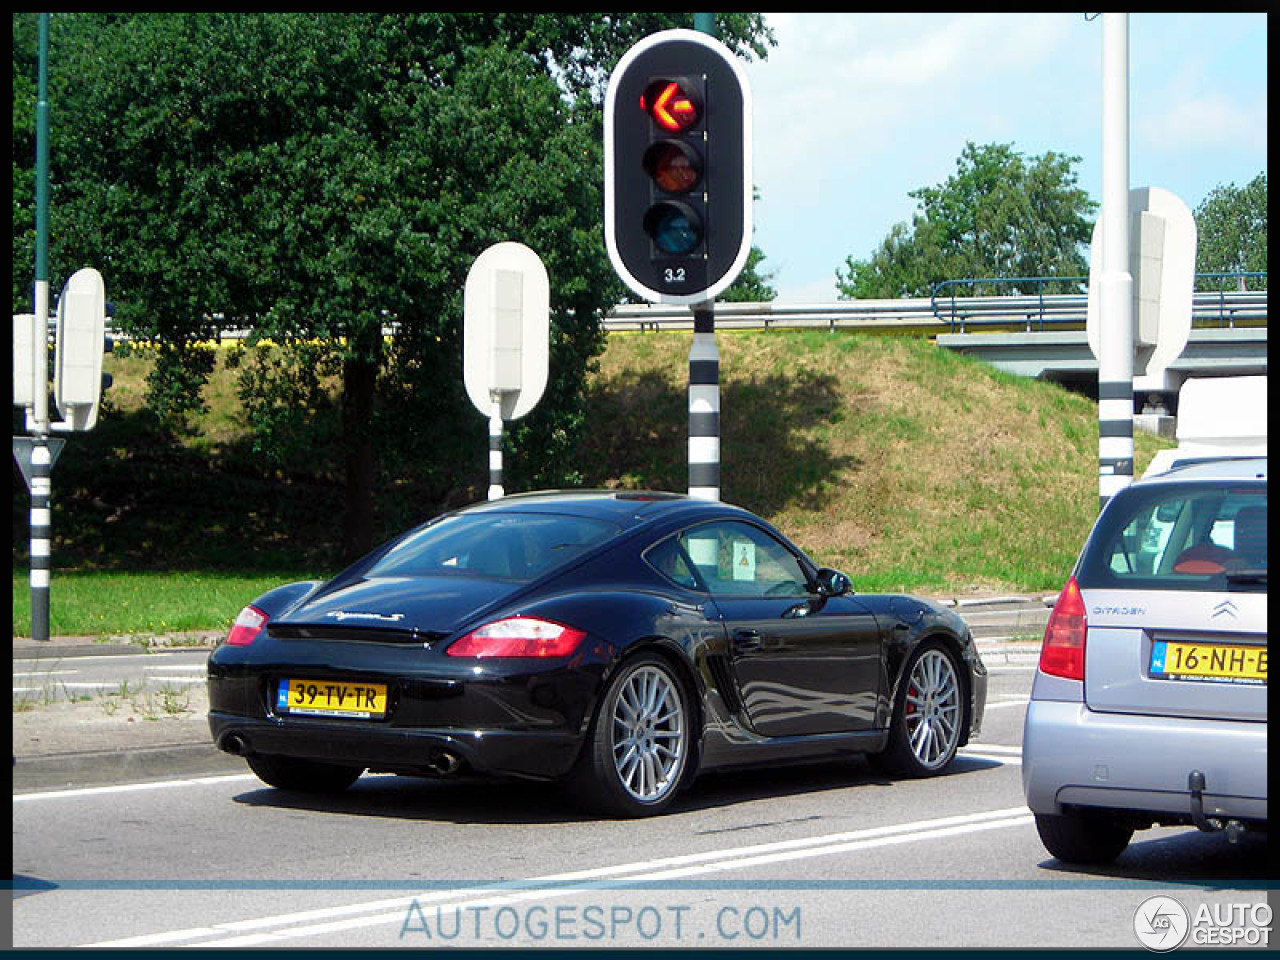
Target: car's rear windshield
column 499, row 546
column 1202, row 535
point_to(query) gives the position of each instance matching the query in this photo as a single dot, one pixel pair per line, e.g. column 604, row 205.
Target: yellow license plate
column 331, row 698
column 1216, row 662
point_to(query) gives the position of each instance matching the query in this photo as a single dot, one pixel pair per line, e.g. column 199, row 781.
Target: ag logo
column 1161, row 924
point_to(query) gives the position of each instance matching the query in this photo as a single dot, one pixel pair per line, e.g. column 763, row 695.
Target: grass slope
column 906, row 466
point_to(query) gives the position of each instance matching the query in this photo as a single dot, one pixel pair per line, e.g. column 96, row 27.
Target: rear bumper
column 526, row 722
column 541, row 755
column 1073, row 756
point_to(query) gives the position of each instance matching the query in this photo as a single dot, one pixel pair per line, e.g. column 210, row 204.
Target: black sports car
column 623, row 641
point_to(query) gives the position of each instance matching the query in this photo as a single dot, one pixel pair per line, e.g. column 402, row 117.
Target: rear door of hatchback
column 1175, row 593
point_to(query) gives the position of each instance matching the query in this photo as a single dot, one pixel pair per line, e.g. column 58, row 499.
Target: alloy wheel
column 649, row 734
column 932, row 709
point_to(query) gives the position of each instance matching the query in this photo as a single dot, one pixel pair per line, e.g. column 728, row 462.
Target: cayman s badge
column 344, row 615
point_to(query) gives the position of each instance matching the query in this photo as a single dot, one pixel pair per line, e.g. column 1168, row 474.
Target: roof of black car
column 622, row 507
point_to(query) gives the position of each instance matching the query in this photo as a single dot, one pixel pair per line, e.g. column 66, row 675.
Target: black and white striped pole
column 496, row 491
column 505, row 341
column 704, row 407
column 677, row 199
column 41, row 462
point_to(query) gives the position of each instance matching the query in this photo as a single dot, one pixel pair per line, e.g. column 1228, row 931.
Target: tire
column 639, row 748
column 1078, row 837
column 928, row 715
column 304, row 776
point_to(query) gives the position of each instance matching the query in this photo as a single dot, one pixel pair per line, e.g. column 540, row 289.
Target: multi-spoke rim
column 649, row 734
column 932, row 709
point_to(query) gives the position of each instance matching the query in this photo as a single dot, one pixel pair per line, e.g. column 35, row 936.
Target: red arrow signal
column 671, row 106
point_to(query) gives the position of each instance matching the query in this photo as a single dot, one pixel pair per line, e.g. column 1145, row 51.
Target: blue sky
column 853, row 110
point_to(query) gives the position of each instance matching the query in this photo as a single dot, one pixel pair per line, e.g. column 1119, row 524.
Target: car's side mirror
column 833, row 583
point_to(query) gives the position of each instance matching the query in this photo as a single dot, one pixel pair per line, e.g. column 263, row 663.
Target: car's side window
column 737, row 559
column 668, row 559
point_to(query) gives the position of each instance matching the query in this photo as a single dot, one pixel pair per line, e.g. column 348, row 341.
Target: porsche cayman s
column 620, row 641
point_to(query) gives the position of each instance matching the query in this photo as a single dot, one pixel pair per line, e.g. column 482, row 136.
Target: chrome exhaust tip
column 444, row 763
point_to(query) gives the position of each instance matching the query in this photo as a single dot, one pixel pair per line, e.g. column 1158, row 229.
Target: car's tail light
column 248, row 627
column 1062, row 654
column 518, row 637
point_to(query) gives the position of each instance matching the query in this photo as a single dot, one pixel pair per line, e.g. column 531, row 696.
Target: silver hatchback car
column 1150, row 702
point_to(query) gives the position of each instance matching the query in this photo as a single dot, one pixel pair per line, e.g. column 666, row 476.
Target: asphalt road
column 824, row 855
column 51, row 677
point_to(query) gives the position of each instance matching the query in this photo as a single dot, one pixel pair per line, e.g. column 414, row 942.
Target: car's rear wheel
column 1076, row 836
column 928, row 715
column 638, row 750
column 306, row 776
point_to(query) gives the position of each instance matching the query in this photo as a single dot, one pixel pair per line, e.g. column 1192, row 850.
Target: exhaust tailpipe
column 444, row 763
column 234, row 744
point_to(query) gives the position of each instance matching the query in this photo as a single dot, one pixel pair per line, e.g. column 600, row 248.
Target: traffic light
column 678, row 167
column 81, row 341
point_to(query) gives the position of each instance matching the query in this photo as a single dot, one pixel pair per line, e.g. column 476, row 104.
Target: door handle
column 801, row 609
column 745, row 641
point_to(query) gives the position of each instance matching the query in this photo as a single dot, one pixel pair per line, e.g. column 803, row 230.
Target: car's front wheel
column 1077, row 836
column 305, row 776
column 928, row 715
column 638, row 750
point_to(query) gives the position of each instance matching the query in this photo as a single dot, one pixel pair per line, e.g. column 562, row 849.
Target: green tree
column 313, row 177
column 1231, row 228
column 752, row 285
column 998, row 215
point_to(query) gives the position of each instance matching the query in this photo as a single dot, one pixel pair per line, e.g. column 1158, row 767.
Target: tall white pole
column 1115, row 359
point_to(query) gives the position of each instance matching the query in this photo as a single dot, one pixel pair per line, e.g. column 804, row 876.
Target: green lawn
column 108, row 604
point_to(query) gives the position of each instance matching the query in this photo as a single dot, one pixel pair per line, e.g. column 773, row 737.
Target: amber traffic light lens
column 674, row 166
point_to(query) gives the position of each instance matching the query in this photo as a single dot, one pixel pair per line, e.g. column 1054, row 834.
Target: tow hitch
column 1233, row 828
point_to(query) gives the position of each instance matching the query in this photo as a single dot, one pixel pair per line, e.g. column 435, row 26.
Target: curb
column 55, row 771
column 25, row 648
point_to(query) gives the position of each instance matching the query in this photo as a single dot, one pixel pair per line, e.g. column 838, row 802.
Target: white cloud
column 1206, row 121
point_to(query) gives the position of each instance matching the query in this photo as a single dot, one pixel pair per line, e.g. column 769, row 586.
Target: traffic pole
column 41, row 480
column 704, row 406
column 1115, row 304
column 496, row 491
column 704, row 376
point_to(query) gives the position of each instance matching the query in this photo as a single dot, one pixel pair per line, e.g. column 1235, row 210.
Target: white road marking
column 128, row 788
column 330, row 920
column 46, row 673
column 994, row 748
column 1020, row 702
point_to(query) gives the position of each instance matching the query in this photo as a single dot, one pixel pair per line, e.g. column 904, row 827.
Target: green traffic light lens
column 675, row 228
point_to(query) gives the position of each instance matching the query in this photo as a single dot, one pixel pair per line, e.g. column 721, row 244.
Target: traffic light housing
column 678, row 167
column 81, row 342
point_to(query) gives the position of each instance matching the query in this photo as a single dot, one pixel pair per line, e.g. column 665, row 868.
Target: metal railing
column 911, row 314
column 1038, row 310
